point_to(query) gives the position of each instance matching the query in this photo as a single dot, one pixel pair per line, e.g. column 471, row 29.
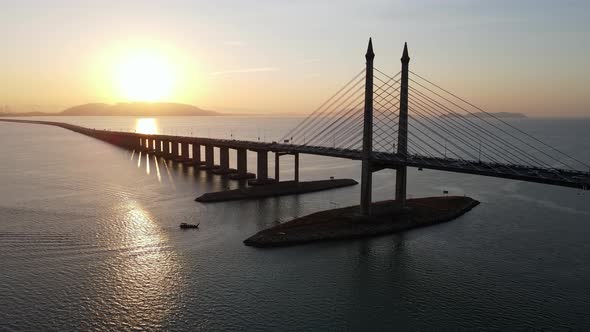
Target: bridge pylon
column 401, row 174
column 366, row 169
column 402, row 139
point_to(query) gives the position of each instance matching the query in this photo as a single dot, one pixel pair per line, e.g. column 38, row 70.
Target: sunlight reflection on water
column 146, row 126
column 142, row 278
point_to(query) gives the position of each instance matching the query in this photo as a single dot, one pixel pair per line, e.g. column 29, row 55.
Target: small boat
column 185, row 225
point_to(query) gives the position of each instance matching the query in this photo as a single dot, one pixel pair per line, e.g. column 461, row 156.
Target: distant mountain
column 136, row 109
column 125, row 109
column 25, row 114
column 486, row 115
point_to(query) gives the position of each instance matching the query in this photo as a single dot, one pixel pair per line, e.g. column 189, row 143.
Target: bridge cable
column 503, row 142
column 493, row 147
column 503, row 122
column 290, row 132
column 325, row 130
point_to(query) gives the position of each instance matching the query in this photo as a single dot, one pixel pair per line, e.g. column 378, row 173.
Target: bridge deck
column 381, row 160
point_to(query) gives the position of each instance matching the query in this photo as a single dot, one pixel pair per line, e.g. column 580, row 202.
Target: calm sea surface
column 89, row 240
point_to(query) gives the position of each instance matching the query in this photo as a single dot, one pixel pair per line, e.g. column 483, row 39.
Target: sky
column 285, row 57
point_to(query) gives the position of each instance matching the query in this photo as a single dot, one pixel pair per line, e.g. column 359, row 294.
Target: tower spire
column 370, row 55
column 405, row 55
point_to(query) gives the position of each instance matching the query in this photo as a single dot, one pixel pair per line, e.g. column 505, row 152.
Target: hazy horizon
column 279, row 57
column 246, row 112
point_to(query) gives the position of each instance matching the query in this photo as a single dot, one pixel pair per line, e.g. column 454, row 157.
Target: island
column 347, row 223
column 123, row 109
column 274, row 189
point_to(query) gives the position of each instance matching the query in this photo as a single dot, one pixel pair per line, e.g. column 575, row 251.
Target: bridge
column 387, row 122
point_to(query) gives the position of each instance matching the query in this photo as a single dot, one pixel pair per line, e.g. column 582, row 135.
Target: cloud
column 245, row 70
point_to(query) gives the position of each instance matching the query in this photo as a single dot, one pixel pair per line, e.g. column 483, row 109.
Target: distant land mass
column 124, row 109
column 486, row 115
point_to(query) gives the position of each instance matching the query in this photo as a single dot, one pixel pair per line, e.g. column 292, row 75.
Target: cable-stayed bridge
column 385, row 120
column 405, row 120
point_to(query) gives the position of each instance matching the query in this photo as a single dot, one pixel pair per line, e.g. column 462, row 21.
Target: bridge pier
column 261, row 169
column 209, row 156
column 224, row 162
column 242, row 160
column 174, row 150
column 224, row 158
column 277, row 166
column 150, row 144
column 196, row 154
column 184, row 151
column 296, row 167
column 158, row 147
column 167, row 148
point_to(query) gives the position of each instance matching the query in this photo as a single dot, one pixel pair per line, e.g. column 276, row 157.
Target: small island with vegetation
column 347, row 223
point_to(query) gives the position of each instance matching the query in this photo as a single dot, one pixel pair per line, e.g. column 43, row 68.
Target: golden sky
column 288, row 56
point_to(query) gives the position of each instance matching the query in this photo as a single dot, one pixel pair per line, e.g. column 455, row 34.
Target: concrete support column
column 366, row 171
column 209, row 156
column 296, row 168
column 224, row 158
column 277, row 166
column 401, row 174
column 262, row 166
column 196, row 153
column 184, row 151
column 175, row 149
column 159, row 147
column 167, row 148
column 242, row 171
column 242, row 161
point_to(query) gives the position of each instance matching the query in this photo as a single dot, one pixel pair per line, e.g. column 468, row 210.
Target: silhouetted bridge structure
column 387, row 122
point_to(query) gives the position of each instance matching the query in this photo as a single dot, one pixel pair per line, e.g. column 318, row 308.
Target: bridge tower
column 401, row 175
column 366, row 169
column 402, row 140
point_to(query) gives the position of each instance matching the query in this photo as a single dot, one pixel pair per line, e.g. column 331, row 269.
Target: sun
column 145, row 76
